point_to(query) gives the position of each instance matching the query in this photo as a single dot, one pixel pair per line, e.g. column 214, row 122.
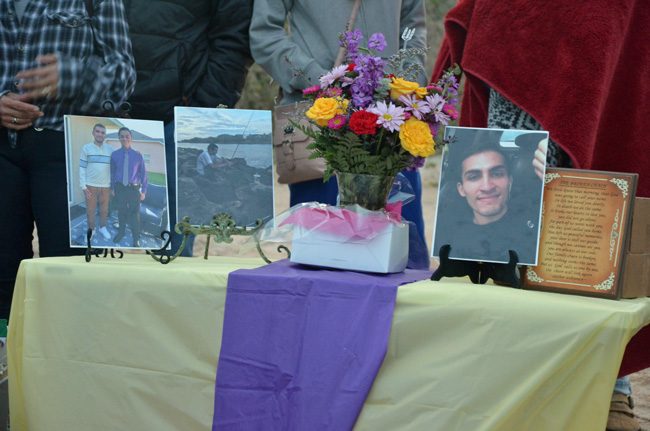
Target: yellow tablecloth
column 133, row 345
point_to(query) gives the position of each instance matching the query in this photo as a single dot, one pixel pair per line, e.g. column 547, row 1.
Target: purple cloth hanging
column 301, row 346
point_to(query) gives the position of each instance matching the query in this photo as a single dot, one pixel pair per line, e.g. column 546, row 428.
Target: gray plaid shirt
column 95, row 61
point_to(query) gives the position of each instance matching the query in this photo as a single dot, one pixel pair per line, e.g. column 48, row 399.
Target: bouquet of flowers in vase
column 370, row 118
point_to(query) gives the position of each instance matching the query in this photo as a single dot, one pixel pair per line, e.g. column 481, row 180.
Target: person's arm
column 83, row 163
column 291, row 67
column 142, row 174
column 107, row 74
column 229, row 54
column 413, row 16
column 113, row 173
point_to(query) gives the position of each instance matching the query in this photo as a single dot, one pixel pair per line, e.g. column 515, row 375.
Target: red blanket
column 581, row 69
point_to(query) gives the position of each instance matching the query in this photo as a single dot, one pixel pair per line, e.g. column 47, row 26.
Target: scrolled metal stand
column 90, row 251
column 222, row 228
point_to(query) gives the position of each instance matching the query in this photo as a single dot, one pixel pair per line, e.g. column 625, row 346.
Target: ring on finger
column 45, row 91
column 14, row 120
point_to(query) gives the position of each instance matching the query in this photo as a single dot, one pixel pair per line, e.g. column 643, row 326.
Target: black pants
column 33, row 180
column 127, row 202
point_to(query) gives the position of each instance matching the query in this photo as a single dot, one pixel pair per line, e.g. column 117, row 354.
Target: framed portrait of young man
column 490, row 194
column 117, row 182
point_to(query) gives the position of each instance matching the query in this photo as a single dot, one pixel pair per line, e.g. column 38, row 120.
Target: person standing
column 128, row 185
column 578, row 99
column 95, row 178
column 55, row 59
column 298, row 57
column 187, row 54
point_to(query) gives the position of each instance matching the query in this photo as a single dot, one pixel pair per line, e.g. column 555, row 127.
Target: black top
column 192, row 53
column 517, row 230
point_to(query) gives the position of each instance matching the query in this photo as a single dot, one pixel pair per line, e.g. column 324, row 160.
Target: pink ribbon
column 345, row 223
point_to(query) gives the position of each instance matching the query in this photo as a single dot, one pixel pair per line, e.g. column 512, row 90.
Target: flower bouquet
column 370, row 118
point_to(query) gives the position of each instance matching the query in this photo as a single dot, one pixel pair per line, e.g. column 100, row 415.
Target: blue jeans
column 170, row 158
column 623, row 386
column 34, row 190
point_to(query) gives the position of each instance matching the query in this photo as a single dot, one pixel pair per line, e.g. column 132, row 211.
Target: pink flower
column 337, row 122
column 332, row 92
column 311, row 90
column 450, row 110
column 330, row 77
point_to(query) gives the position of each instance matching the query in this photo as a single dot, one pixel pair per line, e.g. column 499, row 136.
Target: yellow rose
column 324, row 109
column 416, row 138
column 400, row 87
column 421, row 92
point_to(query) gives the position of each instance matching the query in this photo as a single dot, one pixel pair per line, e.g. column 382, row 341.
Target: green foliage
column 347, row 152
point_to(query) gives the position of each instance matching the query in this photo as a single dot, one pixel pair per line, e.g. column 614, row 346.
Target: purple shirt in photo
column 136, row 172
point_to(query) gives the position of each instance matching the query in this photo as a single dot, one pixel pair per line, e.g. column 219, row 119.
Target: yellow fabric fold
column 133, row 345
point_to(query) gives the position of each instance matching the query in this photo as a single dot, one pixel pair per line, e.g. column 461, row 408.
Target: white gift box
column 384, row 253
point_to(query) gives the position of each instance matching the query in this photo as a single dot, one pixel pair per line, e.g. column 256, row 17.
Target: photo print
column 224, row 160
column 490, row 194
column 117, row 182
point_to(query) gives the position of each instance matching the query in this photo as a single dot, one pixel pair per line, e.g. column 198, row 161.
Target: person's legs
column 623, row 386
column 413, row 210
column 104, row 197
column 120, row 204
column 133, row 213
column 170, row 156
column 621, row 416
column 314, row 191
column 16, row 219
column 91, row 205
column 45, row 152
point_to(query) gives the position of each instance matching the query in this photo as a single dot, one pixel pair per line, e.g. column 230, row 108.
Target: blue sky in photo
column 202, row 122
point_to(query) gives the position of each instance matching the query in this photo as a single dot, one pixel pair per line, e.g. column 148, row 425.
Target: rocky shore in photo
column 245, row 192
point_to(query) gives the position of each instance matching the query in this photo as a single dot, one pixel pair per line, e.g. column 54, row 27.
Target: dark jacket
column 192, row 53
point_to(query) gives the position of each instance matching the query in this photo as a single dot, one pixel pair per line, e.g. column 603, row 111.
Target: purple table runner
column 301, row 347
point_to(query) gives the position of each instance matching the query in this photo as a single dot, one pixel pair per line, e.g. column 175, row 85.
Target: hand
column 41, row 82
column 16, row 113
column 142, row 196
column 88, row 194
column 539, row 161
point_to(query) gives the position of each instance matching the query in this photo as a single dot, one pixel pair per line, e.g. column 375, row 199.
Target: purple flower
column 370, row 73
column 377, row 42
column 414, row 105
column 350, row 41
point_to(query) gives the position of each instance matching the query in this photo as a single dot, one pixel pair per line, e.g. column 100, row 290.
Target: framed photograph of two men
column 117, row 182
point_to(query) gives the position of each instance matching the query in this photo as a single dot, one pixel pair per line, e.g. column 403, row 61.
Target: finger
column 38, row 72
column 10, row 125
column 19, row 105
column 47, row 58
column 49, row 78
column 17, row 121
column 11, row 113
column 45, row 92
column 537, row 164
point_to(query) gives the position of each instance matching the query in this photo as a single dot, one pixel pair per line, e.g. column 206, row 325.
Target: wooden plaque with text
column 585, row 222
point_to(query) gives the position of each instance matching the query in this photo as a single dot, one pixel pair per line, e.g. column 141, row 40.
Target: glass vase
column 368, row 191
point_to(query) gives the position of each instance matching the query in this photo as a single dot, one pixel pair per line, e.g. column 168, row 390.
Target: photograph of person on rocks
column 224, row 160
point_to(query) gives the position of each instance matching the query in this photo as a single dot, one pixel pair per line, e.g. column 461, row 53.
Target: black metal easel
column 479, row 272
